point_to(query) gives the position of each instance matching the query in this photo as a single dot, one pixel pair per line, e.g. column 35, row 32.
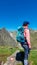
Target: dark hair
column 25, row 23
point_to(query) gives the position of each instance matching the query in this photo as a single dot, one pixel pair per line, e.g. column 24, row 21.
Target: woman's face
column 25, row 26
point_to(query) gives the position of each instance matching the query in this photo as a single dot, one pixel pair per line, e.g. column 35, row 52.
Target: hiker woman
column 26, row 47
column 23, row 37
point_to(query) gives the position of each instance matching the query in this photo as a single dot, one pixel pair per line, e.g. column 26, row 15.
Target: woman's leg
column 25, row 54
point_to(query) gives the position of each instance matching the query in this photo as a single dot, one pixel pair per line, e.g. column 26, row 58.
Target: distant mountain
column 33, row 34
column 9, row 38
column 6, row 39
column 13, row 35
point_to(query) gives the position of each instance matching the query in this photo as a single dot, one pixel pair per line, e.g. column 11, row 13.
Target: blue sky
column 14, row 12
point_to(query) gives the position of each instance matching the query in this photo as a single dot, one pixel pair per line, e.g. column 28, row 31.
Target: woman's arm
column 27, row 35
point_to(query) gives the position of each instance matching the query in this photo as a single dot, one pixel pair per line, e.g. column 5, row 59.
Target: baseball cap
column 25, row 23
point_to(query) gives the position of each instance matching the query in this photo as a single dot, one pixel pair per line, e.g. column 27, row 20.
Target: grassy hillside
column 5, row 52
column 32, row 58
column 7, row 42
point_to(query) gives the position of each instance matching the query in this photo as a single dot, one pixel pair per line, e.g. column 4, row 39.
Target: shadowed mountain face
column 6, row 39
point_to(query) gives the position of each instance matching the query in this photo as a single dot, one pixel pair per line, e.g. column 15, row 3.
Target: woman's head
column 25, row 23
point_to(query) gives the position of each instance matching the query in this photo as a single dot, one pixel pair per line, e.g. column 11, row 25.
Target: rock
column 12, row 60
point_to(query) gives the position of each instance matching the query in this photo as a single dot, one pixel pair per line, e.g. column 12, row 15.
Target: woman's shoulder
column 26, row 29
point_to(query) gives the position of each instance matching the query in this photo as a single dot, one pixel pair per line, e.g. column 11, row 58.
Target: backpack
column 20, row 35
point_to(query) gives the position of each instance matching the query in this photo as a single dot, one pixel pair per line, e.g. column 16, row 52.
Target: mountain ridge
column 9, row 38
column 5, row 38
